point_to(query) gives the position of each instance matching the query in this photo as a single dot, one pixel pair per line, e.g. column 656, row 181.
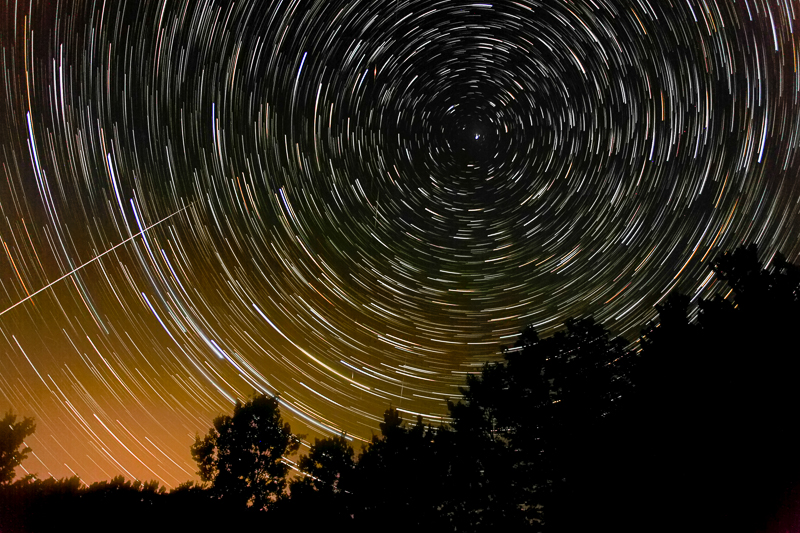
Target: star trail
column 352, row 204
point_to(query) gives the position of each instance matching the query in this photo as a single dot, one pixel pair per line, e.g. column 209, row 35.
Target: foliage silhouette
column 33, row 505
column 12, row 436
column 702, row 413
column 714, row 403
column 520, row 419
column 41, row 506
column 242, row 455
column 691, row 428
column 400, row 474
column 325, row 486
column 329, row 465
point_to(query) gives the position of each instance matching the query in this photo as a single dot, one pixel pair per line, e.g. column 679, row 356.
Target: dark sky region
column 353, row 204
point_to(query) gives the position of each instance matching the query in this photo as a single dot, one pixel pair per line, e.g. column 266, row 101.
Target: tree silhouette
column 525, row 423
column 329, row 465
column 400, row 477
column 241, row 456
column 12, row 436
column 714, row 404
column 325, row 486
column 766, row 294
column 693, row 428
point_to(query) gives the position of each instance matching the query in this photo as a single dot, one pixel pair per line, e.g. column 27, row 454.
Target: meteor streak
column 71, row 272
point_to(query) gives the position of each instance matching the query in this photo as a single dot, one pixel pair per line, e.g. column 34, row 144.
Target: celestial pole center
column 374, row 198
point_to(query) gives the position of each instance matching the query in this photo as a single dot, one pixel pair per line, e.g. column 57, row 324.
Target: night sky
column 354, row 204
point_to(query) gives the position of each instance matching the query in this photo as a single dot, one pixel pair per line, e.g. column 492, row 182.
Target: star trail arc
column 373, row 198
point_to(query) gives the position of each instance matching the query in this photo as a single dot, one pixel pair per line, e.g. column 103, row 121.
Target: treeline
column 692, row 428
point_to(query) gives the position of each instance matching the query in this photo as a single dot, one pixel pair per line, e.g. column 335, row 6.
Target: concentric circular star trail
column 367, row 198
